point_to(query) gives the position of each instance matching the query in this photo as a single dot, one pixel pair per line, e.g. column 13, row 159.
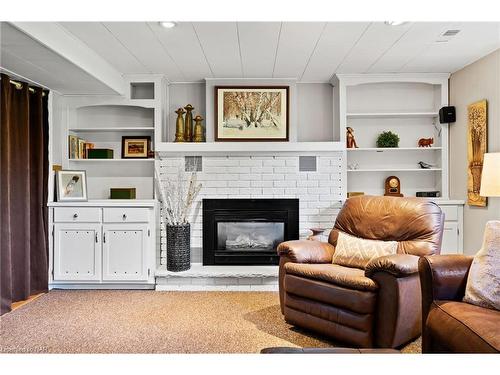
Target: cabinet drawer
column 450, row 213
column 77, row 214
column 126, row 215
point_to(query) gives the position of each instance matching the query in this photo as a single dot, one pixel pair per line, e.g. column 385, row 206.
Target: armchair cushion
column 357, row 252
column 352, row 278
column 305, row 251
column 399, row 265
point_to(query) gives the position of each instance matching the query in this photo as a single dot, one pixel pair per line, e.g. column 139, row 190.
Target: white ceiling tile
column 296, row 44
column 475, row 40
column 219, row 41
column 335, row 43
column 140, row 39
column 258, row 43
column 98, row 38
column 183, row 46
column 377, row 39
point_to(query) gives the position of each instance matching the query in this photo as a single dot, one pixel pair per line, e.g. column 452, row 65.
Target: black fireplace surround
column 247, row 231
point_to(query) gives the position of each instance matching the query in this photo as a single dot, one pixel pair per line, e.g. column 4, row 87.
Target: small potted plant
column 178, row 196
column 388, row 139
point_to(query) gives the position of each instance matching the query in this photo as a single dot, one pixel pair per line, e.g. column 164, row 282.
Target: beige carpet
column 153, row 322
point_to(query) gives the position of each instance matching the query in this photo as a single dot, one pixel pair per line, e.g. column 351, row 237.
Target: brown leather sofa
column 450, row 325
column 379, row 306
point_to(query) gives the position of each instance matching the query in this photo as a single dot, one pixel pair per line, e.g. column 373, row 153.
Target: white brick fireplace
column 234, row 176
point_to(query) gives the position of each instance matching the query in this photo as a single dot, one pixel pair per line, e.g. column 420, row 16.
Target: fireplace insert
column 247, row 231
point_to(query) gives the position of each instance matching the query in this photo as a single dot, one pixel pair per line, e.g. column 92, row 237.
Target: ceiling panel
column 98, row 38
column 140, row 39
column 336, row 41
column 418, row 38
column 258, row 43
column 183, row 46
column 28, row 58
column 296, row 44
column 377, row 39
column 219, row 41
column 474, row 41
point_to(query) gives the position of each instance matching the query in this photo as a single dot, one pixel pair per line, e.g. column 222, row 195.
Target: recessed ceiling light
column 395, row 23
column 167, row 24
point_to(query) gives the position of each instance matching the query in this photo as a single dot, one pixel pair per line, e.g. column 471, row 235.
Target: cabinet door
column 77, row 251
column 125, row 252
column 449, row 244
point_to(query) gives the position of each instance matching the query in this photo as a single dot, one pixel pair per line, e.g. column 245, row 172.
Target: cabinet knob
column 124, row 217
column 75, row 216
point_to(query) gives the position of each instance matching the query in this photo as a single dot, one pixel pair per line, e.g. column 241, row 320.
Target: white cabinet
column 103, row 244
column 77, row 251
column 124, row 252
column 452, row 242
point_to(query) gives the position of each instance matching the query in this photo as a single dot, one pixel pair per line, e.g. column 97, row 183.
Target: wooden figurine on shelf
column 179, row 126
column 351, row 141
column 425, row 142
column 188, row 123
column 199, row 135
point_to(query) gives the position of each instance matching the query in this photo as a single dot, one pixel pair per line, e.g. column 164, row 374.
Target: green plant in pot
column 388, row 139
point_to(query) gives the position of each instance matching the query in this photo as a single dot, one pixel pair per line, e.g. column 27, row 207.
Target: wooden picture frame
column 137, row 147
column 71, row 186
column 477, row 146
column 252, row 113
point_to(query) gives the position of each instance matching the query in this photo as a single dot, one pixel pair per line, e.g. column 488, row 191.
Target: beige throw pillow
column 357, row 252
column 483, row 282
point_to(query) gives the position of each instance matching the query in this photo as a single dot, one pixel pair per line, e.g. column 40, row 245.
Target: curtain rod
column 19, row 86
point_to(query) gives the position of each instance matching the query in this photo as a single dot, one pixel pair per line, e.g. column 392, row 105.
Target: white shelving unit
column 408, row 105
column 104, row 121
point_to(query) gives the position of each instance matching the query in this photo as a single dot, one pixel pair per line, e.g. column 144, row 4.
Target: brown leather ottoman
column 291, row 350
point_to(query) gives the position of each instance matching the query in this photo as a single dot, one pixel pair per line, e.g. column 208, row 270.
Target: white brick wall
column 319, row 192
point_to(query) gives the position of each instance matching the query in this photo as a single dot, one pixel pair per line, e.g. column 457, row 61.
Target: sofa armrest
column 443, row 277
column 305, row 251
column 398, row 265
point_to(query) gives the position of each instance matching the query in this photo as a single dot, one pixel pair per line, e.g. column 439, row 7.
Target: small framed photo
column 136, row 147
column 71, row 186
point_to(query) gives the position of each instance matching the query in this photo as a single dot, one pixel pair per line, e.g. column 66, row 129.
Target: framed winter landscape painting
column 250, row 113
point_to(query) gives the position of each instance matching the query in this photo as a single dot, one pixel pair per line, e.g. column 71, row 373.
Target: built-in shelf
column 110, row 160
column 248, row 147
column 382, row 149
column 394, row 170
column 107, row 202
column 111, row 129
column 391, row 114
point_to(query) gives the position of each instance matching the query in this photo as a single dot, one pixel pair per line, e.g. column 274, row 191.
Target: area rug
column 108, row 321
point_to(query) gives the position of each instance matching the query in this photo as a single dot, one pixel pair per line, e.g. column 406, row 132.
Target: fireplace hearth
column 247, row 231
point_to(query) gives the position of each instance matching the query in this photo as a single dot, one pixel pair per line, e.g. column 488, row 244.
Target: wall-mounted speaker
column 447, row 114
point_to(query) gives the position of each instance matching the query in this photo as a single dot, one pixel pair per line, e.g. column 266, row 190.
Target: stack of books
column 78, row 148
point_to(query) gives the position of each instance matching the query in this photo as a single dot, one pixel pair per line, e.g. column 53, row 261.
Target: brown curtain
column 23, row 192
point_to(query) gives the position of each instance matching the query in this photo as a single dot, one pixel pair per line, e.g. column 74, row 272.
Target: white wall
column 311, row 107
column 479, row 80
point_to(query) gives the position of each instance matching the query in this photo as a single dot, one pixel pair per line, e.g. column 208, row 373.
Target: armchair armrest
column 306, row 251
column 398, row 265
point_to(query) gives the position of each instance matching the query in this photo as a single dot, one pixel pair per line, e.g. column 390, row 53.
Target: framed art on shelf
column 71, row 186
column 252, row 113
column 135, row 147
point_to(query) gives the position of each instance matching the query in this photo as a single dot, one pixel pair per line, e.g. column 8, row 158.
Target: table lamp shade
column 490, row 177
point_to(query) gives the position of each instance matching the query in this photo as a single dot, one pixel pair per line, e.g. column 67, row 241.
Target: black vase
column 178, row 247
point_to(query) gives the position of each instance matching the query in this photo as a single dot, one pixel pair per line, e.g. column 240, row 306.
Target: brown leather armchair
column 450, row 325
column 379, row 306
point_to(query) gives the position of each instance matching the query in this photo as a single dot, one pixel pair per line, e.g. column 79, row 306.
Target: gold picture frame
column 477, row 146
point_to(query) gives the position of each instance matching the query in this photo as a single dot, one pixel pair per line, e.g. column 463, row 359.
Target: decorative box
column 100, row 153
column 122, row 193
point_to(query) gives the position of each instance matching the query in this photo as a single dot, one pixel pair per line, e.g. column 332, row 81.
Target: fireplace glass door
column 249, row 236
